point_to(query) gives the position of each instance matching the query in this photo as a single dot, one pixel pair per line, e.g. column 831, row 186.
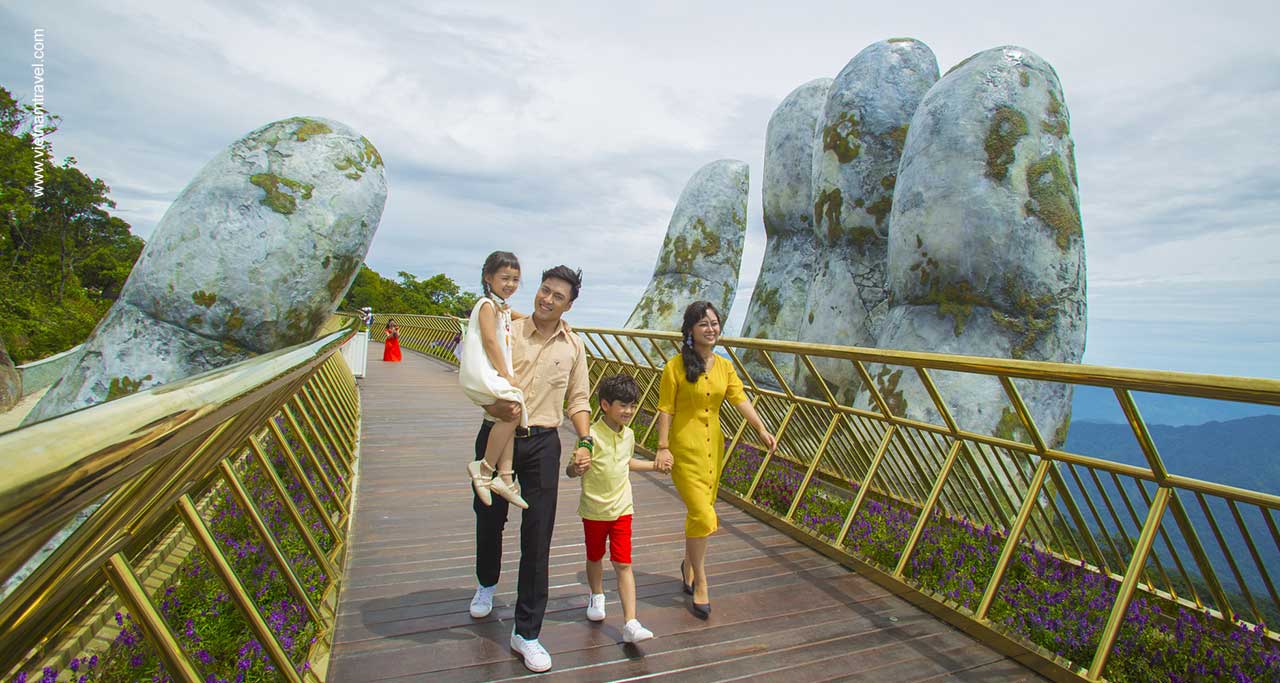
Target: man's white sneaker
column 595, row 607
column 482, row 602
column 535, row 656
column 633, row 632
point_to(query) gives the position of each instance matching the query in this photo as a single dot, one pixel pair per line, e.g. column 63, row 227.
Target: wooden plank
column 781, row 611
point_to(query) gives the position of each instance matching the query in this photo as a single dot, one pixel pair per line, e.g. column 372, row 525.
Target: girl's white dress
column 480, row 381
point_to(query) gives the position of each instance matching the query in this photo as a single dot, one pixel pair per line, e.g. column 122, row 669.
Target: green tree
column 63, row 257
column 436, row 295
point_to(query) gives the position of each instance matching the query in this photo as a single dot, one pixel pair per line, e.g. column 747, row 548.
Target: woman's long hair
column 694, row 364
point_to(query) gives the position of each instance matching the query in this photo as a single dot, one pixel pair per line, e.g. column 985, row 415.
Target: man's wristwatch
column 588, row 442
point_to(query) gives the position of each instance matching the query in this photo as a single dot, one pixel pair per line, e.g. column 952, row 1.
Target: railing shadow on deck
column 1081, row 566
column 210, row 523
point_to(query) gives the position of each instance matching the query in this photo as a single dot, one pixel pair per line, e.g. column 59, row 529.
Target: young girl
column 486, row 376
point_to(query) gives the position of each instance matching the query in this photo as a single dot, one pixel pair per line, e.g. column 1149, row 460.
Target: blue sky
column 565, row 131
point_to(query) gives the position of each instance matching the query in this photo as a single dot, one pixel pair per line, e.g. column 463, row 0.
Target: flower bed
column 197, row 606
column 1043, row 599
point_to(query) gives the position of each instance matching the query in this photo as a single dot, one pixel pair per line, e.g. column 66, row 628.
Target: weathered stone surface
column 702, row 250
column 253, row 256
column 855, row 163
column 986, row 256
column 782, row 288
column 10, row 381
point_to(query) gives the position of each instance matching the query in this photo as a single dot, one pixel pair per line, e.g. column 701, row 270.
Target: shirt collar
column 530, row 328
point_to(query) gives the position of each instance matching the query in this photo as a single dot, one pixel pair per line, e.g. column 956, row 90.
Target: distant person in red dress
column 391, row 347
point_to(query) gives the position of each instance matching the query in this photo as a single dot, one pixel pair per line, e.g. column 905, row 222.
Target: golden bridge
column 279, row 520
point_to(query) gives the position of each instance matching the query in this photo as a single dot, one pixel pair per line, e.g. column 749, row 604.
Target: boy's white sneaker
column 534, row 655
column 633, row 632
column 482, row 602
column 595, row 607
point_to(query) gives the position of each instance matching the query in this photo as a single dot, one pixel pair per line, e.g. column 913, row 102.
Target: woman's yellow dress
column 696, row 441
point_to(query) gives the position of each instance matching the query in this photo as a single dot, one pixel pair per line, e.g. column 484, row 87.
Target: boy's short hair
column 620, row 387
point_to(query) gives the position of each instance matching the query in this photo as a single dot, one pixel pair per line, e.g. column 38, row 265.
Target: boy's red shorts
column 617, row 531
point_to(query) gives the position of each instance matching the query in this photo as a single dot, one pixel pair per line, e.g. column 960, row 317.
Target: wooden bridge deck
column 782, row 611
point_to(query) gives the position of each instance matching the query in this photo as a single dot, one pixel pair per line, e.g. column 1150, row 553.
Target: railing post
column 134, row 596
column 1130, row 583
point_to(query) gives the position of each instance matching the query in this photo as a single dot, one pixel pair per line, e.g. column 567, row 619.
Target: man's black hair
column 618, row 387
column 569, row 275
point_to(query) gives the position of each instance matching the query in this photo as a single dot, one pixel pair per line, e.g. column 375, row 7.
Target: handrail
column 869, row 469
column 144, row 467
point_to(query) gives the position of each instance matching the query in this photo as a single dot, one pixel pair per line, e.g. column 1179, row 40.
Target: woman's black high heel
column 700, row 610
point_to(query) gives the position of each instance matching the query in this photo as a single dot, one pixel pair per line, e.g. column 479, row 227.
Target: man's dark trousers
column 537, row 465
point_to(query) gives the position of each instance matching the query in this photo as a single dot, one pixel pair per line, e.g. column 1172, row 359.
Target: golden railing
column 1133, row 534
column 1136, row 529
column 157, row 480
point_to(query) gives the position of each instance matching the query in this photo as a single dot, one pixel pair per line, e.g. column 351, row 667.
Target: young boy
column 605, row 505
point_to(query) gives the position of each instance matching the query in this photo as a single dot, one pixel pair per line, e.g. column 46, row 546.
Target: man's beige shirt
column 549, row 371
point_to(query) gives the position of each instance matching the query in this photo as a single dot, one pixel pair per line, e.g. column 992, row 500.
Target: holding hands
column 663, row 460
column 579, row 463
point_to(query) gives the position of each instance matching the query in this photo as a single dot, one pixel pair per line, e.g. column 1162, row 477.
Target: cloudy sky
column 564, row 131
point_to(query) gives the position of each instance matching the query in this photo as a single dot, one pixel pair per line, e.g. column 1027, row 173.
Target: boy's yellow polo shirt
column 606, row 487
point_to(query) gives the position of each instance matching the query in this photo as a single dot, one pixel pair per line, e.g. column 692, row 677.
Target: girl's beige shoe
column 480, row 481
column 509, row 491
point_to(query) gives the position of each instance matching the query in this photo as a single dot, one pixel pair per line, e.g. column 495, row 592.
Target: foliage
column 436, row 295
column 63, row 257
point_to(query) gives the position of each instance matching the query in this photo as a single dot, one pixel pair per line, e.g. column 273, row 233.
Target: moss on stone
column 282, row 201
column 370, row 155
column 1060, row 434
column 341, row 276
column 1027, row 318
column 309, row 128
column 1010, row 427
column 1071, row 162
column 295, row 325
column 964, row 61
column 1053, row 199
column 880, row 208
column 899, row 137
column 1008, row 126
column 829, row 205
column 1055, row 123
column 124, row 385
column 203, row 298
column 841, row 137
column 234, row 320
column 195, row 321
column 810, row 317
column 955, row 299
column 901, row 40
column 859, row 203
column 887, row 381
column 1024, row 78
column 767, row 299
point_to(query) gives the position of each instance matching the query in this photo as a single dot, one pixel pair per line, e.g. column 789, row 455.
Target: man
column 550, row 364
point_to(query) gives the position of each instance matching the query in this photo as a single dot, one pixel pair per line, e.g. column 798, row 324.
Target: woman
column 694, row 386
column 391, row 347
